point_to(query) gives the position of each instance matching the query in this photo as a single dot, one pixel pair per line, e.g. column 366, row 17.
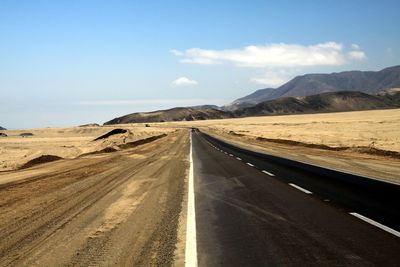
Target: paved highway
column 251, row 211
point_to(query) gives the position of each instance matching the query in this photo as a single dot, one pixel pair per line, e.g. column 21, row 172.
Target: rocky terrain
column 174, row 114
column 369, row 82
column 325, row 102
column 319, row 103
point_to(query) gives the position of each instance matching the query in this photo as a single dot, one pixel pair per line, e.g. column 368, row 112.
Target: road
column 253, row 212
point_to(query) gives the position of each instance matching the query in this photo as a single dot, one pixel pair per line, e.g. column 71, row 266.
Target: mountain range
column 325, row 102
column 370, row 82
column 310, row 93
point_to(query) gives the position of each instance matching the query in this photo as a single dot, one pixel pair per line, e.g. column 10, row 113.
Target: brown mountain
column 370, row 82
column 174, row 114
column 319, row 103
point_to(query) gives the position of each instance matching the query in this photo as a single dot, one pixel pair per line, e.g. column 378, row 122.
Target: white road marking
column 191, row 242
column 251, row 165
column 226, row 153
column 270, row 174
column 300, row 188
column 231, row 155
column 374, row 223
column 238, row 158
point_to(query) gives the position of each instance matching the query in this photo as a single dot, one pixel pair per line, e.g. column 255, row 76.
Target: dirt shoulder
column 367, row 164
column 120, row 208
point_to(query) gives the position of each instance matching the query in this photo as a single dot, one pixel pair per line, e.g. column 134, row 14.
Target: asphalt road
column 253, row 212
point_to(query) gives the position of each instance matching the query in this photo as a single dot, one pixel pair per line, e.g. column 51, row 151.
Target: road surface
column 251, row 212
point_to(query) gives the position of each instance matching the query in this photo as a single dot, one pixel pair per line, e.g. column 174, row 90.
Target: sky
column 66, row 63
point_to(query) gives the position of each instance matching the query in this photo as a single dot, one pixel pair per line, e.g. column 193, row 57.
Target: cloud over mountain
column 274, row 55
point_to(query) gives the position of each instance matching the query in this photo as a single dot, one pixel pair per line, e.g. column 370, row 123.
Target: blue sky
column 72, row 62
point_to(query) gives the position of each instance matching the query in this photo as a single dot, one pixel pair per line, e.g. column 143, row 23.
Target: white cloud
column 357, row 55
column 355, row 46
column 176, row 52
column 184, row 81
column 272, row 55
column 269, row 81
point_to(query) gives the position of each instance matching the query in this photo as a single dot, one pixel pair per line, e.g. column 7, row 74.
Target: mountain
column 325, row 102
column 1, row 128
column 370, row 82
column 174, row 114
column 250, row 100
column 319, row 103
column 310, row 93
column 205, row 107
column 392, row 94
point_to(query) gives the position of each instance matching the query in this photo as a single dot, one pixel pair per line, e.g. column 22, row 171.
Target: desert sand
column 103, row 209
column 67, row 143
column 80, row 210
column 360, row 142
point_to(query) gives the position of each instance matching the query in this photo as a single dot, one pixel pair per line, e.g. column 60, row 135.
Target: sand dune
column 68, row 143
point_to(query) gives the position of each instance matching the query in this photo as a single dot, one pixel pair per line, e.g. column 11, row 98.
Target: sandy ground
column 64, row 142
column 120, row 208
column 359, row 134
column 127, row 207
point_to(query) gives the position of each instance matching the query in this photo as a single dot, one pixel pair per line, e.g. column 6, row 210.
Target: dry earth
column 362, row 142
column 68, row 143
column 124, row 208
column 119, row 208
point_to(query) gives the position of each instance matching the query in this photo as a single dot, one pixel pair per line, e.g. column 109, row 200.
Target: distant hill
column 2, row 128
column 370, row 82
column 89, row 125
column 325, row 102
column 392, row 95
column 174, row 114
column 319, row 103
column 251, row 99
column 310, row 93
column 205, row 107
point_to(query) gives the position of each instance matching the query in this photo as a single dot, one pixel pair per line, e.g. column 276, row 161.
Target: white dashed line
column 238, row 158
column 268, row 173
column 191, row 242
column 251, row 165
column 374, row 223
column 300, row 188
column 231, row 155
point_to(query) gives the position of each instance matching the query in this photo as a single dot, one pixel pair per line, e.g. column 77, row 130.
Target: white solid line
column 191, row 242
column 270, row 174
column 301, row 188
column 251, row 165
column 238, row 158
column 370, row 221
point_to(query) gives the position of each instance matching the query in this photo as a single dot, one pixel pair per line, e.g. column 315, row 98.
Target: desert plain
column 79, row 209
column 360, row 142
